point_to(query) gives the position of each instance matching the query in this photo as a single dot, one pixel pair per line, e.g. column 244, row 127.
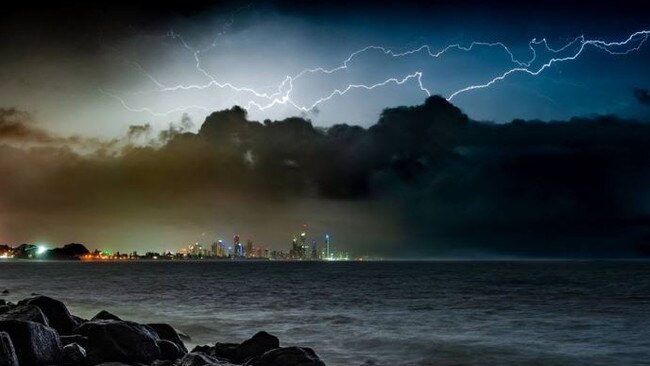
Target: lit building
column 238, row 248
column 249, row 249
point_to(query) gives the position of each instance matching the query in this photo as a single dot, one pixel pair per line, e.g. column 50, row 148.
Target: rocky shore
column 40, row 331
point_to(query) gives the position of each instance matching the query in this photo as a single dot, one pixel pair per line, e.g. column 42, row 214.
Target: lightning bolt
column 606, row 46
column 282, row 93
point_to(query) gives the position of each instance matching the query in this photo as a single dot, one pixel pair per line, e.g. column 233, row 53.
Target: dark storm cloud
column 14, row 126
column 561, row 188
column 642, row 95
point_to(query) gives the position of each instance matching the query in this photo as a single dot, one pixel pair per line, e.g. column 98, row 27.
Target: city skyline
column 303, row 247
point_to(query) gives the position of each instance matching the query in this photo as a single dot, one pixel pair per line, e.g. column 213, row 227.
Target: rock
column 169, row 350
column 288, row 356
column 3, row 302
column 5, row 292
column 79, row 320
column 162, row 363
column 259, row 344
column 119, row 341
column 167, row 332
column 26, row 313
column 74, row 355
column 200, row 359
column 56, row 312
column 203, row 349
column 105, row 315
column 225, row 350
column 7, row 353
column 74, row 338
column 4, row 308
column 34, row 343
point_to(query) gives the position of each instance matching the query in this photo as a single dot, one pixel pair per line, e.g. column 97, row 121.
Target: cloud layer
column 424, row 180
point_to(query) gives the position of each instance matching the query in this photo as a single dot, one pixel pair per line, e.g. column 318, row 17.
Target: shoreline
column 40, row 331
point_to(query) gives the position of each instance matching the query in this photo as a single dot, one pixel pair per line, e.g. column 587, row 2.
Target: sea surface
column 375, row 313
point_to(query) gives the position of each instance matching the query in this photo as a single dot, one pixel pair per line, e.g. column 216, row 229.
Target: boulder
column 163, row 363
column 200, row 359
column 169, row 350
column 7, row 353
column 167, row 332
column 288, row 356
column 119, row 341
column 23, row 312
column 259, row 344
column 74, row 355
column 74, row 338
column 225, row 350
column 56, row 312
column 105, row 315
column 34, row 343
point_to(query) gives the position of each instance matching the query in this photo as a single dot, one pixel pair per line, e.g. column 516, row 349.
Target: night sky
column 401, row 129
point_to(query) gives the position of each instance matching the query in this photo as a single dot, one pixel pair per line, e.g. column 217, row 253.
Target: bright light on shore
column 41, row 249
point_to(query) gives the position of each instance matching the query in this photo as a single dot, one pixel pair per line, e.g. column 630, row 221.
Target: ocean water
column 375, row 313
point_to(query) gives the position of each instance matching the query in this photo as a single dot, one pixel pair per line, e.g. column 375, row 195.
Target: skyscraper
column 249, row 249
column 327, row 246
column 238, row 249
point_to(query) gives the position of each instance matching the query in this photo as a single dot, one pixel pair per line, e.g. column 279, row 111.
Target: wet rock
column 200, row 359
column 105, row 315
column 163, row 363
column 3, row 302
column 119, row 341
column 259, row 344
column 169, row 350
column 7, row 353
column 5, row 292
column 79, row 320
column 25, row 313
column 205, row 349
column 34, row 343
column 167, row 332
column 74, row 338
column 225, row 350
column 288, row 356
column 74, row 355
column 56, row 312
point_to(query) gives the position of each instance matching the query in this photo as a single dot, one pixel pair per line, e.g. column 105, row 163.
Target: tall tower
column 327, row 245
column 303, row 245
column 237, row 247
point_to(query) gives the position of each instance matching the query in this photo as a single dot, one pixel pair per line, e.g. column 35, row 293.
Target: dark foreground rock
column 74, row 355
column 34, row 343
column 168, row 333
column 25, row 312
column 7, row 353
column 40, row 331
column 105, row 315
column 294, row 356
column 119, row 341
column 259, row 344
column 56, row 312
